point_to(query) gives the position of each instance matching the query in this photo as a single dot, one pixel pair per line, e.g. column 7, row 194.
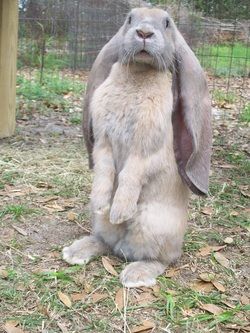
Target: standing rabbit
column 147, row 131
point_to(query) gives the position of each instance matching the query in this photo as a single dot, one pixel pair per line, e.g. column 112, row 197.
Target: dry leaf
column 221, row 259
column 219, row 286
column 202, row 286
column 78, row 296
column 120, row 298
column 145, row 298
column 71, row 216
column 226, row 166
column 228, row 240
column 234, row 213
column 55, row 208
column 207, row 211
column 87, row 286
column 172, row 272
column 207, row 277
column 97, row 297
column 232, row 306
column 3, row 273
column 20, row 230
column 11, row 328
column 62, row 327
column 156, row 290
column 64, row 299
column 12, row 322
column 244, row 300
column 108, row 266
column 145, row 326
column 212, row 308
column 209, row 249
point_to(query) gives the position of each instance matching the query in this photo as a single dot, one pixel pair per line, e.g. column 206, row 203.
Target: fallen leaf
column 62, row 327
column 120, row 298
column 207, row 211
column 234, row 213
column 12, row 322
column 232, row 306
column 87, row 286
column 55, row 208
column 207, row 277
column 97, row 297
column 212, row 308
column 202, row 286
column 11, row 328
column 219, row 286
column 244, row 300
column 3, row 273
column 20, row 230
column 71, row 216
column 209, row 249
column 78, row 296
column 245, row 193
column 108, row 266
column 145, row 298
column 226, row 166
column 48, row 199
column 172, row 272
column 156, row 289
column 44, row 185
column 64, row 299
column 228, row 240
column 221, row 259
column 143, row 327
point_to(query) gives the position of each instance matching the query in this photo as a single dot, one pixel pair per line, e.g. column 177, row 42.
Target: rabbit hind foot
column 141, row 273
column 81, row 251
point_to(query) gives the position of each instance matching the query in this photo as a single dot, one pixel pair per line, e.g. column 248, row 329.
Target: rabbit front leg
column 104, row 173
column 130, row 182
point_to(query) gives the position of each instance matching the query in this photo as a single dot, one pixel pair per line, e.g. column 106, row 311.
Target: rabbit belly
column 135, row 116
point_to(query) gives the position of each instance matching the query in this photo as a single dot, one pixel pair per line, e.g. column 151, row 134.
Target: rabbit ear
column 99, row 72
column 191, row 118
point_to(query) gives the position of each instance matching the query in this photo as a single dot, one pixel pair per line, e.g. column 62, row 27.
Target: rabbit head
column 150, row 37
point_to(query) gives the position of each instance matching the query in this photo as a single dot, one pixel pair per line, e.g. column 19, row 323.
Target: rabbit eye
column 129, row 20
column 166, row 23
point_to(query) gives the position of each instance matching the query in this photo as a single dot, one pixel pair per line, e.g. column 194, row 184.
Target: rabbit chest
column 133, row 109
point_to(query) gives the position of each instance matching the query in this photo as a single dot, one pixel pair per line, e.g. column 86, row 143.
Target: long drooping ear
column 98, row 74
column 191, row 118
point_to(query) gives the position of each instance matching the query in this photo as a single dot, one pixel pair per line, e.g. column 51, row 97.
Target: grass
column 15, row 210
column 225, row 59
column 245, row 113
column 48, row 175
column 54, row 92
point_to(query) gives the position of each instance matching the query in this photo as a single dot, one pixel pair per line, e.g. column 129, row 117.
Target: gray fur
column 150, row 139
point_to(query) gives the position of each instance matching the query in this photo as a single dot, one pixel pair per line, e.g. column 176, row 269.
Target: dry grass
column 44, row 191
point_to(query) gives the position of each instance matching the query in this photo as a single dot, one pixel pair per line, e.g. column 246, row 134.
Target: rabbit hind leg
column 81, row 251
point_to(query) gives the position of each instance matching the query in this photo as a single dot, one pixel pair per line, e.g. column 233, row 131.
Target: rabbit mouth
column 143, row 56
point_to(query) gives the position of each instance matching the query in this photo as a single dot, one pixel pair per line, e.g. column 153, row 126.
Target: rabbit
column 147, row 128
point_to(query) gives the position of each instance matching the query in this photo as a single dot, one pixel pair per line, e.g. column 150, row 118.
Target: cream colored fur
column 139, row 202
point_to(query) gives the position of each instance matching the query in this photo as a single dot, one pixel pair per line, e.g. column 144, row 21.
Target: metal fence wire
column 68, row 34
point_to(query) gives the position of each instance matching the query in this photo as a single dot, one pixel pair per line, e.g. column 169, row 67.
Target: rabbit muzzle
column 145, row 44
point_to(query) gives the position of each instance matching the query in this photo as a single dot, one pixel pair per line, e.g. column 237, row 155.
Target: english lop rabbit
column 148, row 135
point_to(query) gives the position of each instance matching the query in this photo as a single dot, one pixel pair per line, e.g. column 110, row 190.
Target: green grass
column 221, row 96
column 16, row 210
column 245, row 113
column 224, row 59
column 51, row 93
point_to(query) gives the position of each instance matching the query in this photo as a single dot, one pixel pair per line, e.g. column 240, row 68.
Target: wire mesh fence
column 67, row 35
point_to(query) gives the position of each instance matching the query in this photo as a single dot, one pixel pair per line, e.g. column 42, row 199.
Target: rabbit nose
column 144, row 34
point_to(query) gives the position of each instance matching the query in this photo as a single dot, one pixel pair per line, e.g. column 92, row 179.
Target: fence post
column 8, row 55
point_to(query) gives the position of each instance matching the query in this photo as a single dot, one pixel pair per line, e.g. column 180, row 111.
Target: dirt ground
column 44, row 195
